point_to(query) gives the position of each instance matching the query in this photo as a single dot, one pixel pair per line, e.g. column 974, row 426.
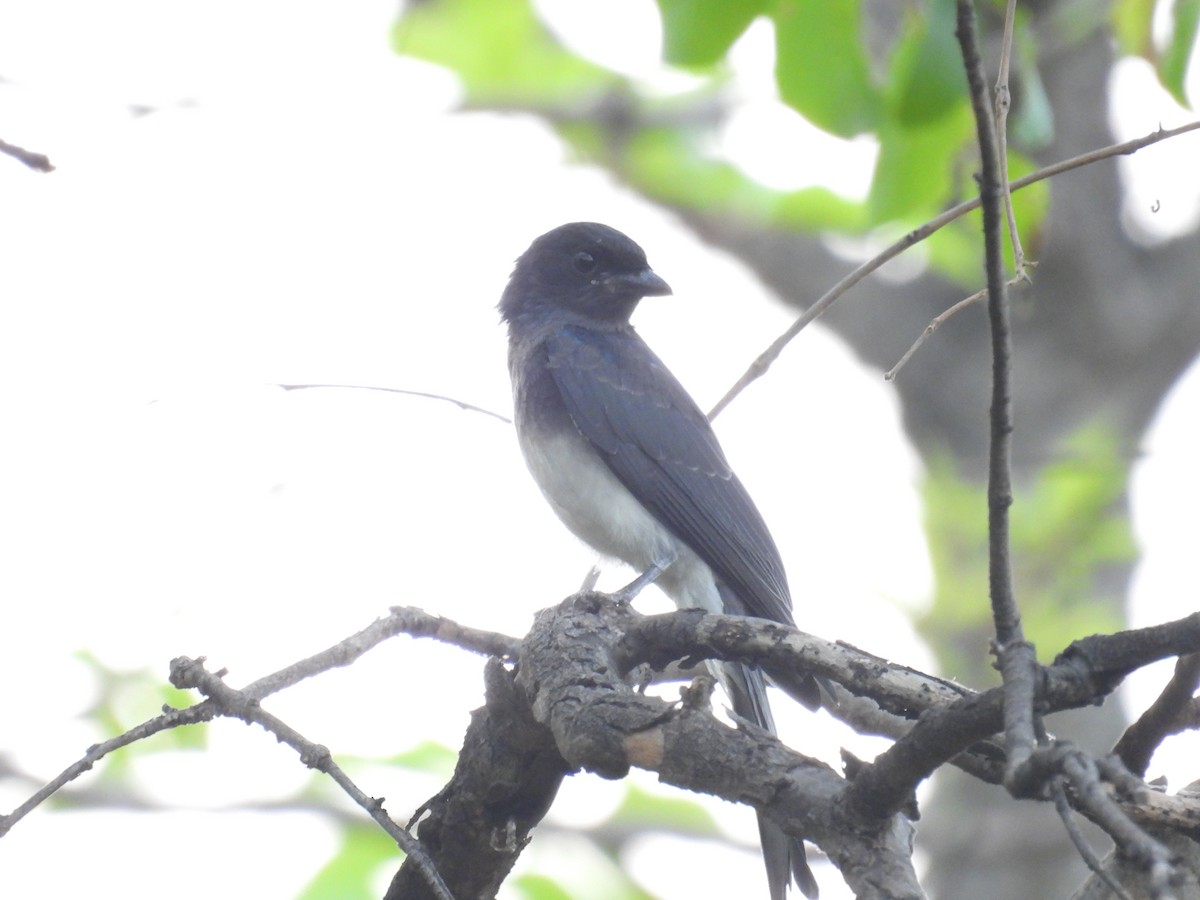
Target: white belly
column 591, row 502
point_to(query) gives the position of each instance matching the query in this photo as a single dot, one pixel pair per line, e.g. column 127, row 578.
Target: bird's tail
column 783, row 855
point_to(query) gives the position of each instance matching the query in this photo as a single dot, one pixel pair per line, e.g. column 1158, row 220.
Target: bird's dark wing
column 661, row 447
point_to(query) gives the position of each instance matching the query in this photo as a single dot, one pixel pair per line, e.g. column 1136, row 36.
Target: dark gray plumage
column 630, row 463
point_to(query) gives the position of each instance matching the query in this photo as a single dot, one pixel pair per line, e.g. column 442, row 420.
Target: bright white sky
column 305, row 208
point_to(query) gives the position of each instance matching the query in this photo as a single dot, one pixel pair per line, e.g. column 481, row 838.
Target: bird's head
column 583, row 268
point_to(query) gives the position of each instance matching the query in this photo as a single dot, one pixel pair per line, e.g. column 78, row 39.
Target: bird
column 630, row 463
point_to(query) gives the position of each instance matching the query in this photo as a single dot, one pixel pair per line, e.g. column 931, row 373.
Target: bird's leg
column 647, row 578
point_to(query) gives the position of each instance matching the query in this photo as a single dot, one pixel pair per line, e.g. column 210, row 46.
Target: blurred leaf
column 428, row 756
column 539, row 887
column 591, row 878
column 821, row 66
column 698, row 33
column 664, row 163
column 672, row 813
column 1031, row 119
column 1066, row 529
column 818, row 209
column 1131, row 22
column 500, row 50
column 349, row 875
column 128, row 698
column 954, row 252
column 1071, row 526
column 915, row 173
column 958, row 623
column 927, row 80
column 1181, row 43
column 508, row 60
column 667, row 165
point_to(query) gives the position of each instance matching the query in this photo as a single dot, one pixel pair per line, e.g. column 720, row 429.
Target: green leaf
column 1031, row 120
column 1173, row 65
column 668, row 165
column 590, row 878
column 915, row 172
column 698, row 33
column 818, row 209
column 350, row 873
column 1131, row 22
column 1068, row 527
column 678, row 814
column 540, row 887
column 954, row 252
column 127, row 698
column 500, row 50
column 664, row 164
column 821, row 67
column 428, row 756
column 927, row 80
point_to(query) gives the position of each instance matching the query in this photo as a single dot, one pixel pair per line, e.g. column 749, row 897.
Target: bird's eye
column 584, row 262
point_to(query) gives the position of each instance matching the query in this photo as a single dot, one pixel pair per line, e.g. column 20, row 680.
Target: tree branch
column 507, row 775
column 570, row 666
column 1015, row 654
column 763, row 362
column 936, row 720
column 39, row 162
column 571, row 708
column 1173, row 711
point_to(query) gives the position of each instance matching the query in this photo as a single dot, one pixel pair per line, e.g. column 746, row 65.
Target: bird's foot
column 647, row 578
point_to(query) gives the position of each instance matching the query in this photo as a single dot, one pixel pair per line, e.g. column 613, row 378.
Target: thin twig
column 461, row 404
column 767, row 358
column 94, row 754
column 39, row 162
column 1003, row 102
column 188, row 673
column 402, row 620
column 937, row 322
column 1086, row 853
column 1098, row 804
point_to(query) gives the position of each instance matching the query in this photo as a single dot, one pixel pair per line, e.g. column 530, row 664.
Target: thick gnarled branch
column 571, row 673
column 507, row 775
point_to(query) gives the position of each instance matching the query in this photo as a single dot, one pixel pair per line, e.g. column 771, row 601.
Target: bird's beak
column 646, row 283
